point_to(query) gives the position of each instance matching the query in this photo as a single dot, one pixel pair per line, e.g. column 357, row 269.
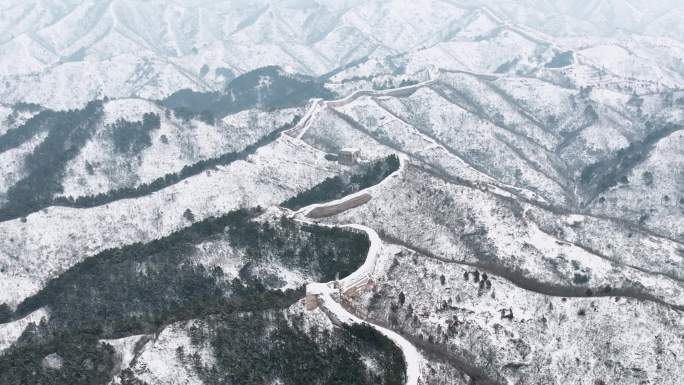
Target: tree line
column 342, row 185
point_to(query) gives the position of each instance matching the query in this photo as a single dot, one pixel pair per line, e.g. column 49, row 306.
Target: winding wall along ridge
column 336, row 312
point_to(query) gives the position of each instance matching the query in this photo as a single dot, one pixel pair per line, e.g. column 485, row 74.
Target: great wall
column 329, row 297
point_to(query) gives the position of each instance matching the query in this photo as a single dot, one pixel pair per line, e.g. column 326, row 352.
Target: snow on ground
column 328, row 131
column 113, row 54
column 502, row 51
column 11, row 331
column 13, row 163
column 654, row 194
column 338, row 314
column 54, row 239
column 594, row 143
column 72, row 84
column 174, row 145
column 422, row 21
column 557, row 340
column 536, row 238
column 469, row 137
column 159, row 362
column 61, row 62
column 487, row 147
column 481, row 95
column 254, row 123
column 126, row 349
column 130, row 109
column 361, row 276
column 615, row 241
column 12, row 118
column 365, row 70
column 557, row 108
column 365, row 271
column 304, row 211
column 27, row 56
column 477, row 24
column 412, row 357
column 219, row 252
column 4, row 114
column 611, row 98
column 468, row 225
column 623, row 62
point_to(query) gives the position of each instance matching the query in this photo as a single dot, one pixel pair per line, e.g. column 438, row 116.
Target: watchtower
column 348, row 156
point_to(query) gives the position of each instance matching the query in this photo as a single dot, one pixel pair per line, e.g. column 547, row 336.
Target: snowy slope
column 175, row 144
column 11, row 331
column 654, row 194
column 29, row 257
column 557, row 340
column 63, row 53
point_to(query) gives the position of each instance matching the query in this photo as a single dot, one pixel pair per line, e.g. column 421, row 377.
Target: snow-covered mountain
column 61, row 54
column 174, row 173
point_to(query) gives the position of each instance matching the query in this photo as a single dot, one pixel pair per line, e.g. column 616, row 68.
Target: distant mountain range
column 62, row 54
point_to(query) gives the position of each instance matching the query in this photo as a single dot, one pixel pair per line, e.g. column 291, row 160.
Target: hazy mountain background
column 65, row 53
